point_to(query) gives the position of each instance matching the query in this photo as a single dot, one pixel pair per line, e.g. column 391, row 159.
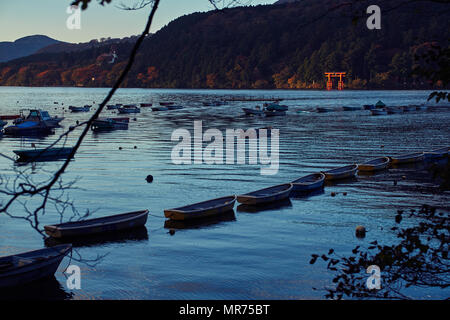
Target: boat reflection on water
column 286, row 203
column 136, row 234
column 306, row 194
column 200, row 223
column 45, row 289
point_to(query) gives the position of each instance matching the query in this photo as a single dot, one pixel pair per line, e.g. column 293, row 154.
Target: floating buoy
column 135, row 147
column 120, row 148
column 134, row 119
column 345, row 193
column 171, row 232
column 77, row 122
column 149, row 178
column 360, row 231
column 333, row 194
column 403, row 177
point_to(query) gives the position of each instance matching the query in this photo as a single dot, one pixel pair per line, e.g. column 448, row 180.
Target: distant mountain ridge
column 284, row 46
column 24, row 46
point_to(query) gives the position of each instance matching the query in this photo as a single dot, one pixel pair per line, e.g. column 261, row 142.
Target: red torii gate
column 330, row 75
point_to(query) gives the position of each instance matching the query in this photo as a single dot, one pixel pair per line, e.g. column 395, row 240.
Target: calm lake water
column 249, row 255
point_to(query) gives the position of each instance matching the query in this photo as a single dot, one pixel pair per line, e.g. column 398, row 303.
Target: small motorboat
column 88, row 227
column 105, row 124
column 374, row 164
column 39, row 115
column 202, row 209
column 271, row 194
column 43, row 154
column 368, row 106
column 408, row 158
column 130, row 108
column 341, row 173
column 274, row 113
column 29, row 128
column 174, row 107
column 347, row 108
column 23, row 268
column 165, row 108
column 394, row 110
column 436, row 154
column 145, row 105
column 166, row 103
column 308, row 183
column 86, row 108
column 379, row 112
column 256, row 111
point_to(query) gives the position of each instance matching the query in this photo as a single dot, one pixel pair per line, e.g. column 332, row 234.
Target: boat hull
column 374, row 165
column 45, row 267
column 341, row 173
column 41, row 154
column 308, row 183
column 411, row 158
column 100, row 225
column 254, row 199
column 202, row 210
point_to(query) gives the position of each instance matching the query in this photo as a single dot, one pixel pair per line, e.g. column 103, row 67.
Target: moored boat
column 438, row 153
column 266, row 195
column 29, row 128
column 275, row 107
column 379, row 112
column 341, row 172
column 43, row 154
column 86, row 108
column 107, row 224
column 23, row 268
column 130, row 108
column 166, row 103
column 104, row 124
column 39, row 115
column 113, row 106
column 202, row 209
column 309, row 182
column 408, row 158
column 145, row 105
column 374, row 164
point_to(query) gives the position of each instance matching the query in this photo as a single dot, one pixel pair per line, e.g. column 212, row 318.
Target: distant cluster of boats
column 275, row 109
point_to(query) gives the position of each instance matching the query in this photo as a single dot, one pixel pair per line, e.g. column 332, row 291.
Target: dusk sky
column 20, row 18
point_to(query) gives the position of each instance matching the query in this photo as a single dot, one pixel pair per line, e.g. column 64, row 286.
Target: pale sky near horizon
column 20, row 18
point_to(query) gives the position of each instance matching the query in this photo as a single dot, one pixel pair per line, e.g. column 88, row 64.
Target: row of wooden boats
column 304, row 184
column 22, row 268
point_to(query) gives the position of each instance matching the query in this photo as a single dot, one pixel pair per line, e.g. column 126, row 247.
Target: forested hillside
column 274, row 46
